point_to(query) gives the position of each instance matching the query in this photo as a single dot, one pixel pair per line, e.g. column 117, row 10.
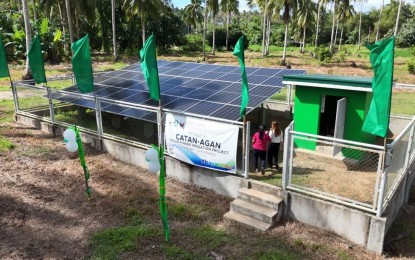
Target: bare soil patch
column 44, row 212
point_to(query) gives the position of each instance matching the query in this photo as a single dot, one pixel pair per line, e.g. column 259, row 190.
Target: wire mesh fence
column 71, row 109
column 335, row 169
column 33, row 100
column 129, row 123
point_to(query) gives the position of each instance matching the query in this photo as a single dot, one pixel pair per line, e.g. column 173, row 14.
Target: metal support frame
column 247, row 145
column 287, row 158
column 408, row 150
column 15, row 98
column 51, row 110
column 98, row 117
column 383, row 182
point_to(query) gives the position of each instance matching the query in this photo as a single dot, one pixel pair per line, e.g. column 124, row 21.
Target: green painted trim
column 323, row 79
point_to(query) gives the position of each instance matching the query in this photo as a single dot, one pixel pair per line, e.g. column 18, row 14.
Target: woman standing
column 274, row 147
column 260, row 142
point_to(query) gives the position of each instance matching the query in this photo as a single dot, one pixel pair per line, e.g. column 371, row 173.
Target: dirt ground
column 44, row 212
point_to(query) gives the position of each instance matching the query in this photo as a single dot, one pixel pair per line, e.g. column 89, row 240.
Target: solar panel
column 205, row 89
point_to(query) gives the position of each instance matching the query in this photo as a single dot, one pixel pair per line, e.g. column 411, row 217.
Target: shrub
column 193, row 43
column 323, row 54
column 411, row 66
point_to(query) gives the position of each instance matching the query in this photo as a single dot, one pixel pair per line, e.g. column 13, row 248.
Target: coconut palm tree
column 306, row 12
column 335, row 4
column 34, row 10
column 28, row 31
column 69, row 15
column 321, row 4
column 380, row 16
column 205, row 17
column 114, row 32
column 288, row 7
column 397, row 18
column 229, row 7
column 360, row 22
column 213, row 6
column 193, row 13
column 145, row 9
column 346, row 11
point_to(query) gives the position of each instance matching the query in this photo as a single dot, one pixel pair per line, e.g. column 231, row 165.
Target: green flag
column 239, row 53
column 149, row 67
column 82, row 66
column 36, row 61
column 4, row 69
column 382, row 59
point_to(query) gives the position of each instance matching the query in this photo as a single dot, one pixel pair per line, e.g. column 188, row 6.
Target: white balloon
column 152, row 155
column 71, row 146
column 69, row 135
column 154, row 167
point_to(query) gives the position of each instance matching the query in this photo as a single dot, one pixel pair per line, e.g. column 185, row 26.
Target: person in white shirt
column 276, row 143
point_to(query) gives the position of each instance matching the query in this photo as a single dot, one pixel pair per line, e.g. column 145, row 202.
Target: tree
column 321, row 4
column 213, row 6
column 378, row 25
column 346, row 11
column 305, row 14
column 204, row 29
column 289, row 7
column 145, row 9
column 193, row 13
column 397, row 18
column 360, row 22
column 69, row 15
column 28, row 31
column 114, row 32
column 229, row 7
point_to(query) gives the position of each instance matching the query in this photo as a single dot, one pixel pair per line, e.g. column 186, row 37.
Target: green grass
column 5, row 144
column 110, row 243
column 403, row 103
column 208, row 236
column 178, row 253
column 183, row 211
column 71, row 117
column 6, row 110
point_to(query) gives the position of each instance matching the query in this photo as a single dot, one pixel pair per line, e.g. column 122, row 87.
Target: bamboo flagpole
column 149, row 68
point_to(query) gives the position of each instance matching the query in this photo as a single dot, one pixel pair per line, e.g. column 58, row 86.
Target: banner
column 201, row 142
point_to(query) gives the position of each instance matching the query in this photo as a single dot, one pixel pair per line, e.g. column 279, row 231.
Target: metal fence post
column 51, row 110
column 16, row 103
column 289, row 94
column 287, row 158
column 383, row 182
column 408, row 150
column 247, row 145
column 98, row 116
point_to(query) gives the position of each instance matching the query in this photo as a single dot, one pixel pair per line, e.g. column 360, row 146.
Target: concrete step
column 265, row 187
column 255, row 211
column 260, row 198
column 247, row 221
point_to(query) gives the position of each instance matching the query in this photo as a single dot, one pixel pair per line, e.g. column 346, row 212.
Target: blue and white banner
column 202, row 142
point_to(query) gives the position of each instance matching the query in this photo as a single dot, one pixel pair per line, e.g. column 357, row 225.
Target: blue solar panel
column 205, row 89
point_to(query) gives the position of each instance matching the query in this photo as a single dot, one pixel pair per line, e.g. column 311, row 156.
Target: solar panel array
column 205, row 89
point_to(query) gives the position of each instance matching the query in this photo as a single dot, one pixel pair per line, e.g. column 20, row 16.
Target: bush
column 411, row 66
column 323, row 54
column 193, row 43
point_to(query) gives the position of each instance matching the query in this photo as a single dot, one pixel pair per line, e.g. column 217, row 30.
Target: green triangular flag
column 4, row 69
column 82, row 66
column 382, row 59
column 239, row 53
column 36, row 61
column 149, row 67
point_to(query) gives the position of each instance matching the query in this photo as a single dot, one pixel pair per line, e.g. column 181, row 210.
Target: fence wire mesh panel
column 403, row 100
column 397, row 164
column 333, row 169
column 129, row 123
column 73, row 110
column 60, row 82
column 33, row 100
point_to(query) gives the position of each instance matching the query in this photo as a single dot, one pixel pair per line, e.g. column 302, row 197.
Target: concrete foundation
column 359, row 227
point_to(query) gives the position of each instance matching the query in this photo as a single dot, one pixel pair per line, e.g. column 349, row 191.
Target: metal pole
column 378, row 174
column 98, row 116
column 286, row 158
column 246, row 151
column 51, row 110
column 408, row 150
column 383, row 183
column 15, row 100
